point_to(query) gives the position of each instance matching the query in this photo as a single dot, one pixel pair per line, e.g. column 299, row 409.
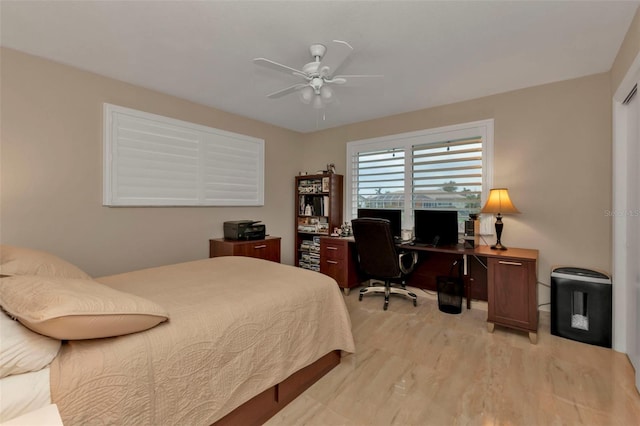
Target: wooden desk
column 511, row 284
column 510, row 276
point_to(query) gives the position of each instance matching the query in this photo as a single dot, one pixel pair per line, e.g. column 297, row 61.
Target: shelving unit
column 318, row 212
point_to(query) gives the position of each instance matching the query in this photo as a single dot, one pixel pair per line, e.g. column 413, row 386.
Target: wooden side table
column 268, row 249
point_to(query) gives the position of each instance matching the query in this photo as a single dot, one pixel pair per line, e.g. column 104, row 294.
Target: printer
column 244, row 230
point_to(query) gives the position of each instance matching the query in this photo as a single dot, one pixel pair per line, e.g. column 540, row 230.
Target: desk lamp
column 499, row 202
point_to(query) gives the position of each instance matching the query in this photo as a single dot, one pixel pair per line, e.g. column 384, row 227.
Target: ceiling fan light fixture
column 317, row 102
column 307, row 94
column 326, row 93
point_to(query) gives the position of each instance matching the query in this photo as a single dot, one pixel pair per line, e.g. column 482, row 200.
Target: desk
column 511, row 284
column 511, row 279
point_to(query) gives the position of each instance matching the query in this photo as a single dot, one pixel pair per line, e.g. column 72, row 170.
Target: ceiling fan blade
column 268, row 63
column 358, row 76
column 336, row 56
column 335, row 80
column 286, row 91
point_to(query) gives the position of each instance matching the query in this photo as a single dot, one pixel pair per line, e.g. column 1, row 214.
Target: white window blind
column 380, row 179
column 447, row 175
column 447, row 168
column 150, row 160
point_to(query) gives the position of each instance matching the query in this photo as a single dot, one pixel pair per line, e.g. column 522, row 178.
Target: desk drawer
column 333, row 251
column 337, row 260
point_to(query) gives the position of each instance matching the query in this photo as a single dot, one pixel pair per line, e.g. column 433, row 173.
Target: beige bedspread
column 237, row 326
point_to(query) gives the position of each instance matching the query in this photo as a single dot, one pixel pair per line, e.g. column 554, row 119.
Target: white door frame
column 626, row 295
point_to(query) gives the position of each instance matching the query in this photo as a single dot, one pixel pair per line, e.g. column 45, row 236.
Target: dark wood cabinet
column 338, row 260
column 268, row 249
column 512, row 292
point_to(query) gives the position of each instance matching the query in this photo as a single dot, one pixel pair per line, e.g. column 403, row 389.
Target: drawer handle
column 504, row 262
column 332, row 248
column 258, row 247
column 332, row 261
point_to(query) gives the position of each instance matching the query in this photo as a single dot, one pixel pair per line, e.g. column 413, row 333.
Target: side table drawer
column 262, row 249
column 268, row 249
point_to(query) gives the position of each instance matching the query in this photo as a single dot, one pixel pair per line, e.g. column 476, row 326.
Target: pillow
column 22, row 350
column 24, row 261
column 23, row 393
column 46, row 415
column 73, row 309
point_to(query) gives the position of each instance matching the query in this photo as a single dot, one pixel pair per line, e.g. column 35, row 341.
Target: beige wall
column 51, row 172
column 552, row 150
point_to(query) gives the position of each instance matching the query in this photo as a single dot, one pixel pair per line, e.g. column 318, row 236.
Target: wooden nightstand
column 268, row 249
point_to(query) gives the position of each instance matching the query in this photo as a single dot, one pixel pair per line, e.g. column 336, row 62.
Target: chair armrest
column 407, row 261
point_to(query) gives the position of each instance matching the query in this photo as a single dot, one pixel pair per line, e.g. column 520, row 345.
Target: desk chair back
column 376, row 248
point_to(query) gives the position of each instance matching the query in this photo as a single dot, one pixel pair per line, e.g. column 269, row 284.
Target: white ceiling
column 430, row 53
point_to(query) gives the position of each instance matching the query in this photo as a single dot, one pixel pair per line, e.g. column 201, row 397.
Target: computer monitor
column 392, row 215
column 436, row 227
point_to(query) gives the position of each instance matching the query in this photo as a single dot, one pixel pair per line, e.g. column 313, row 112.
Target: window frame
column 405, row 141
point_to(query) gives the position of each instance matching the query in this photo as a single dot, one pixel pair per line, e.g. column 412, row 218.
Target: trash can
column 450, row 290
column 581, row 305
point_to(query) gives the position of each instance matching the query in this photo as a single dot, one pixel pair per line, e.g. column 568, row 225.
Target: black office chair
column 379, row 258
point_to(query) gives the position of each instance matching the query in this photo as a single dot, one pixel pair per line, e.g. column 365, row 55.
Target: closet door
column 626, row 227
column 633, row 235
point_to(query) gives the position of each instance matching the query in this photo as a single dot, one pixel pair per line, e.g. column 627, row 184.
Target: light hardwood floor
column 419, row 366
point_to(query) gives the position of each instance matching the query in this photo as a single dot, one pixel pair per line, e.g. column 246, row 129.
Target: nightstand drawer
column 268, row 249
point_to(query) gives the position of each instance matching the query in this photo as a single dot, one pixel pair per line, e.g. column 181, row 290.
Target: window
column 150, row 160
column 448, row 168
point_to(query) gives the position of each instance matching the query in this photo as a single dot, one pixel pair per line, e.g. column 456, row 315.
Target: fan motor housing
column 318, row 50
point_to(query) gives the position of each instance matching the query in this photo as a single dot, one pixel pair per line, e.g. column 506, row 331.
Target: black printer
column 244, row 230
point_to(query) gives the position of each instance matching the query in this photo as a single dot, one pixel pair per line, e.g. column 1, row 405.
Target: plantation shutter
column 150, row 160
column 448, row 175
column 378, row 179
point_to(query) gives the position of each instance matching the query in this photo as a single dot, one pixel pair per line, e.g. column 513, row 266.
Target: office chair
column 379, row 258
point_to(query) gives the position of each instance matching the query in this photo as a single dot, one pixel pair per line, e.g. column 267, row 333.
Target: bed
column 223, row 340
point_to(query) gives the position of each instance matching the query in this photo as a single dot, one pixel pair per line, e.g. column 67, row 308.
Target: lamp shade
column 499, row 202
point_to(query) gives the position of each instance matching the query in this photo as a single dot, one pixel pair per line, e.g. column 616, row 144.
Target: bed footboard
column 265, row 405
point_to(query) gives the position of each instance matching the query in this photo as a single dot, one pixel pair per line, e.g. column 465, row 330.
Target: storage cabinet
column 338, row 260
column 318, row 211
column 268, row 249
column 512, row 293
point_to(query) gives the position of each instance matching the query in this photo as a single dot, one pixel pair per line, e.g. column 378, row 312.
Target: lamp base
column 498, row 246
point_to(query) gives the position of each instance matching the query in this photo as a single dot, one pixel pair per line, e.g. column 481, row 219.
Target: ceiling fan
column 319, row 75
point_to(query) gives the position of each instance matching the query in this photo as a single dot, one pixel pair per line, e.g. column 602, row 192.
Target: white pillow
column 22, row 350
column 23, row 393
column 43, row 416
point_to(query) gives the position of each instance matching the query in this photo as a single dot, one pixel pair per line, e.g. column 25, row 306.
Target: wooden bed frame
column 265, row 405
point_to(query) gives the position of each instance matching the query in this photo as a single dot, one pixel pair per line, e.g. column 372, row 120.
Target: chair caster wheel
column 360, row 298
column 386, row 305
